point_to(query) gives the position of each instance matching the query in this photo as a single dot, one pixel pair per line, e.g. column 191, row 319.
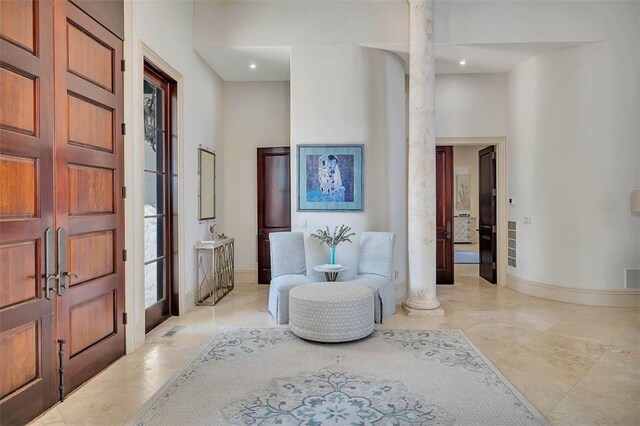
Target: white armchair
column 375, row 270
column 288, row 270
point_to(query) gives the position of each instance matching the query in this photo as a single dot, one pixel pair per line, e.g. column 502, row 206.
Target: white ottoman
column 331, row 312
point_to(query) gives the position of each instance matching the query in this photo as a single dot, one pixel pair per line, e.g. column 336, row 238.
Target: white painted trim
column 189, row 301
column 249, row 276
column 622, row 298
column 135, row 53
column 129, row 239
column 401, row 291
column 501, row 177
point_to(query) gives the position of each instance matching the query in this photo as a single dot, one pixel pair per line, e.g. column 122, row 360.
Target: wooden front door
column 27, row 325
column 61, row 214
column 274, row 203
column 444, row 215
column 487, row 213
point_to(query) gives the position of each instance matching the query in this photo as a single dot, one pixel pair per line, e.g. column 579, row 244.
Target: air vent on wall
column 511, row 244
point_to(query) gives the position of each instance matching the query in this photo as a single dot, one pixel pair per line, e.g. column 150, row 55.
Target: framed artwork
column 330, row 178
column 463, row 193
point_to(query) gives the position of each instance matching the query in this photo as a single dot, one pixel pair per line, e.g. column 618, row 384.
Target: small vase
column 332, row 255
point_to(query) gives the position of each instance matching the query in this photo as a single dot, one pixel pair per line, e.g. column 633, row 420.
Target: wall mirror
column 207, row 168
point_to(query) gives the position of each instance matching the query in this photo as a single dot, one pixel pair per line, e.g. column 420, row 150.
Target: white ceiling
column 273, row 62
column 232, row 64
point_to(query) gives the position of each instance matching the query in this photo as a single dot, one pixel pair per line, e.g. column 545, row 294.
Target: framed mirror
column 207, row 168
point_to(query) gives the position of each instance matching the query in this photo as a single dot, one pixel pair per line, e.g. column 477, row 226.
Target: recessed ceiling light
column 252, row 66
column 463, row 62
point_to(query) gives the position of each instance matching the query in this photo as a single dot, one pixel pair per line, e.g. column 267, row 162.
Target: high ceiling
column 273, row 63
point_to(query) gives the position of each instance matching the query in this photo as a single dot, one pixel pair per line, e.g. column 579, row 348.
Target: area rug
column 460, row 256
column 394, row 377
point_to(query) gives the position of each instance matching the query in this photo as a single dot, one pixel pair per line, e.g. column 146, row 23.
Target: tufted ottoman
column 331, row 312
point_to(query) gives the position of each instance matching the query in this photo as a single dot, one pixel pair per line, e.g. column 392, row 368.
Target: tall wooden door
column 444, row 215
column 27, row 325
column 274, row 203
column 487, row 213
column 89, row 204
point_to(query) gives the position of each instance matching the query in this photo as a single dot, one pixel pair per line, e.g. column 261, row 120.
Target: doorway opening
column 475, row 211
column 160, row 197
column 274, row 202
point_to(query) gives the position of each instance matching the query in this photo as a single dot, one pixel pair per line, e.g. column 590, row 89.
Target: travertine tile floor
column 578, row 365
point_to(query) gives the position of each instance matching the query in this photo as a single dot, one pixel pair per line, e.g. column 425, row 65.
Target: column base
column 422, row 309
column 412, row 312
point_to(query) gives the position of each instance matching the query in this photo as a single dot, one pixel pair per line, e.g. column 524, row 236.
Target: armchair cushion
column 287, row 253
column 384, row 294
column 376, row 253
column 279, row 295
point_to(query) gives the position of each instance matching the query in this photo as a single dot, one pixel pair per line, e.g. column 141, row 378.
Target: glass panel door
column 156, row 199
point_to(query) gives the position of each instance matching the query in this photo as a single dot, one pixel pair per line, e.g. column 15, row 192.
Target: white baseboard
column 622, row 298
column 189, row 301
column 245, row 276
column 401, row 291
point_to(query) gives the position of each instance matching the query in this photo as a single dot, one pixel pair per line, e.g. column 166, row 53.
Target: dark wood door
column 487, row 213
column 158, row 206
column 27, row 316
column 89, row 204
column 444, row 215
column 274, row 202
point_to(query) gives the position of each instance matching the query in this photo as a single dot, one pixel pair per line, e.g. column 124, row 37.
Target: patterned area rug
column 394, row 377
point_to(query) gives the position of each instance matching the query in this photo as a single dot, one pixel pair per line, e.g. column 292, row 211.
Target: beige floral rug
column 268, row 376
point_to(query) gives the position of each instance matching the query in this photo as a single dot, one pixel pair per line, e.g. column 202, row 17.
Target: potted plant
column 340, row 235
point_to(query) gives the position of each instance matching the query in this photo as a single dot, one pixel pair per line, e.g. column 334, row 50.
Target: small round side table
column 330, row 274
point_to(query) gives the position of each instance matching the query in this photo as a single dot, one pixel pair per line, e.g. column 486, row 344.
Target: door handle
column 260, row 234
column 49, row 263
column 447, row 233
column 63, row 274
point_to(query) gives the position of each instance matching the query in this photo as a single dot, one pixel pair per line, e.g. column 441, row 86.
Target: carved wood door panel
column 89, row 204
column 27, row 327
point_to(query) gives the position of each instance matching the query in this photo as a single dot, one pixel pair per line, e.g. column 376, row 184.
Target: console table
column 214, row 270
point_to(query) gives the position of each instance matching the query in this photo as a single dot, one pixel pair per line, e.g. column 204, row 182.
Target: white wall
column 574, row 157
column 166, row 27
column 256, row 115
column 345, row 94
column 465, row 161
column 471, row 105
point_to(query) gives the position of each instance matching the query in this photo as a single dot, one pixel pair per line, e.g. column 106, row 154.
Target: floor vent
column 632, row 278
column 175, row 330
column 511, row 244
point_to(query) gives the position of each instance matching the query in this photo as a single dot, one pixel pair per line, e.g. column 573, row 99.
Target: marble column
column 421, row 298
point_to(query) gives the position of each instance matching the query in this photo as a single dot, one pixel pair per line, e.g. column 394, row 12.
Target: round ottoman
column 331, row 312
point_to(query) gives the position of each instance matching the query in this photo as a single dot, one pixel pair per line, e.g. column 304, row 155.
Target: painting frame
column 352, row 192
column 206, row 184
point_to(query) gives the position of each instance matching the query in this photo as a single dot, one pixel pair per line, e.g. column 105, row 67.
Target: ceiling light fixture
column 463, row 62
column 252, row 66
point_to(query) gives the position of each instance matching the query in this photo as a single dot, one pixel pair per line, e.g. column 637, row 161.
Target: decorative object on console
column 340, row 235
column 330, row 178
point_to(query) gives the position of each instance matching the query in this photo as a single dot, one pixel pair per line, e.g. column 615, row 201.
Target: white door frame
column 136, row 52
column 501, row 187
